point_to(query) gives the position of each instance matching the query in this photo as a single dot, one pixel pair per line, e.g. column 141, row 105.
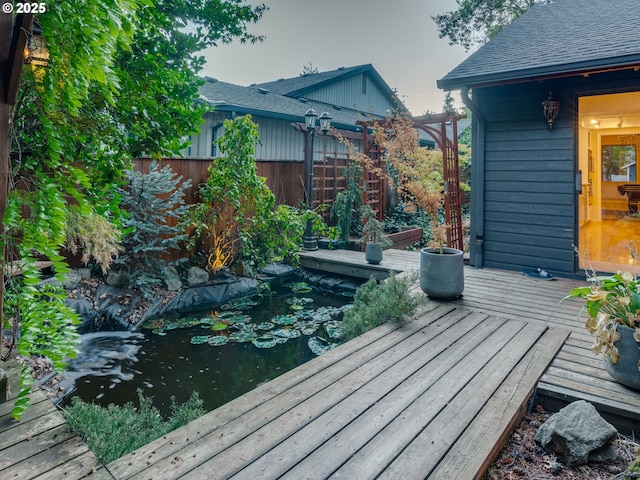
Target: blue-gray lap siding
column 530, row 171
column 529, row 180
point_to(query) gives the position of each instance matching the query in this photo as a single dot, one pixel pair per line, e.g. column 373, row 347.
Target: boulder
column 72, row 280
column 197, row 276
column 577, row 434
column 117, row 279
column 172, row 279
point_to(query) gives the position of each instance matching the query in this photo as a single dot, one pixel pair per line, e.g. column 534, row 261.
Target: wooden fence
column 285, row 179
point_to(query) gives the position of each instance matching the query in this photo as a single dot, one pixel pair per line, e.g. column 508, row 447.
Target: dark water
column 165, row 362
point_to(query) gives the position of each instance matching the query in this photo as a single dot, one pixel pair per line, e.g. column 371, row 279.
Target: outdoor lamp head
column 325, row 122
column 310, row 118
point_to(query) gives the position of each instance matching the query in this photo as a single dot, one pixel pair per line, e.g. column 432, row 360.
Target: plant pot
column 626, row 370
column 373, row 253
column 442, row 274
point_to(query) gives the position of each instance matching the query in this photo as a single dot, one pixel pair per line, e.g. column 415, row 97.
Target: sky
column 398, row 37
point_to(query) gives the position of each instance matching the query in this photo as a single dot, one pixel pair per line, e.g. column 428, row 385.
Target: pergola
column 435, row 125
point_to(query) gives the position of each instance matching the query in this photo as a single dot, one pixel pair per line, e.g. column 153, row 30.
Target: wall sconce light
column 35, row 51
column 550, row 108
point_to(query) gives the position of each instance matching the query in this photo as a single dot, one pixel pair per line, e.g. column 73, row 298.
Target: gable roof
column 259, row 101
column 304, row 84
column 552, row 39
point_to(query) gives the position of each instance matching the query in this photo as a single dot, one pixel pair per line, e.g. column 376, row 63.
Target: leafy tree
column 476, row 21
column 121, row 82
column 448, row 105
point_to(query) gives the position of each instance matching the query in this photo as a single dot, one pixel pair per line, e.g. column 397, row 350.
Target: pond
column 221, row 354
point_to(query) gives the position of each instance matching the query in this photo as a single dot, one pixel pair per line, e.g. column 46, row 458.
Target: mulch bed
column 523, row 459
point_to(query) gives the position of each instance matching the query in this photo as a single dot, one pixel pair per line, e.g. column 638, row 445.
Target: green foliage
column 236, row 217
column 101, row 101
column 347, row 201
column 376, row 303
column 35, row 227
column 633, row 471
column 477, row 21
column 235, row 203
column 117, row 430
column 93, row 236
column 372, row 229
column 154, row 202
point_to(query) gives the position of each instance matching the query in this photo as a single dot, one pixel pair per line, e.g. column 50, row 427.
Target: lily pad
column 219, row 327
column 265, row 326
column 286, row 333
column 265, row 341
column 217, row 340
column 284, row 319
column 306, row 327
column 333, row 329
column 234, row 319
column 242, row 336
column 199, row 339
column 300, row 287
column 319, row 345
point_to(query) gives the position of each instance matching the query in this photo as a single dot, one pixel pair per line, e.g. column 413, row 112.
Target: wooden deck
column 575, row 374
column 41, row 446
column 432, row 399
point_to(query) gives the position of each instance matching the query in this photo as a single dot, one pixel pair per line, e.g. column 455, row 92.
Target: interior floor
column 604, row 245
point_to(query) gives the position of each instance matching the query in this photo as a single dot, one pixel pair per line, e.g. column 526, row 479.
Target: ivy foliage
column 477, row 21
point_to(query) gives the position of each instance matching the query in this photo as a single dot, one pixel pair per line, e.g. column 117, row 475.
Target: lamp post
column 309, row 239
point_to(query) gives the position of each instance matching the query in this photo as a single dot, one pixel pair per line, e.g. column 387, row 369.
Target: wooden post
column 13, row 38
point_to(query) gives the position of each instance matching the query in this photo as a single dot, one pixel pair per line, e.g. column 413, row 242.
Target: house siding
column 530, row 202
column 529, row 180
column 349, row 93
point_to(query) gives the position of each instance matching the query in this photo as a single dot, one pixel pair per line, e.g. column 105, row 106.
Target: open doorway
column 608, row 205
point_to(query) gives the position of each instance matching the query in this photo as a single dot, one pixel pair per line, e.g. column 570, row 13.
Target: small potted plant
column 613, row 308
column 373, row 236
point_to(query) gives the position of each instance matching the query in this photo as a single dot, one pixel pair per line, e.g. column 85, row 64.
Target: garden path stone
column 577, row 434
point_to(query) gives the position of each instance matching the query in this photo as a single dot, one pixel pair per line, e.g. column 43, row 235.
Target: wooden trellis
column 435, row 125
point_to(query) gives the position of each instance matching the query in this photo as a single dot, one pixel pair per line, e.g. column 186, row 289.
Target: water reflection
column 166, row 363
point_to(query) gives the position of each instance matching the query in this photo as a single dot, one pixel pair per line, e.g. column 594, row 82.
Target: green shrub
column 117, row 430
column 376, row 303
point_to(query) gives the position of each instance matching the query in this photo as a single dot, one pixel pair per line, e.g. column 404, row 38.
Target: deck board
column 514, row 295
column 41, row 445
column 362, row 411
column 434, row 398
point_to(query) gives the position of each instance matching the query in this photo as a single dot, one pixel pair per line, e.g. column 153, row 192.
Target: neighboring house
column 349, row 95
column 537, row 191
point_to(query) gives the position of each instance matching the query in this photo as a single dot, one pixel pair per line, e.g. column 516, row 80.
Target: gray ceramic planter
column 373, row 253
column 442, row 274
column 626, row 370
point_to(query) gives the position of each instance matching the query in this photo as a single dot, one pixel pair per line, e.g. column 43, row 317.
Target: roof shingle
column 554, row 38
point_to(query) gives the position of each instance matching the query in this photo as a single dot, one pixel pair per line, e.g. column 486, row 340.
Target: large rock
column 172, row 279
column 577, row 434
column 197, row 276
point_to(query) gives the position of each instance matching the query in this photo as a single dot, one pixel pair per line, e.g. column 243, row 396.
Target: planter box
column 407, row 237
